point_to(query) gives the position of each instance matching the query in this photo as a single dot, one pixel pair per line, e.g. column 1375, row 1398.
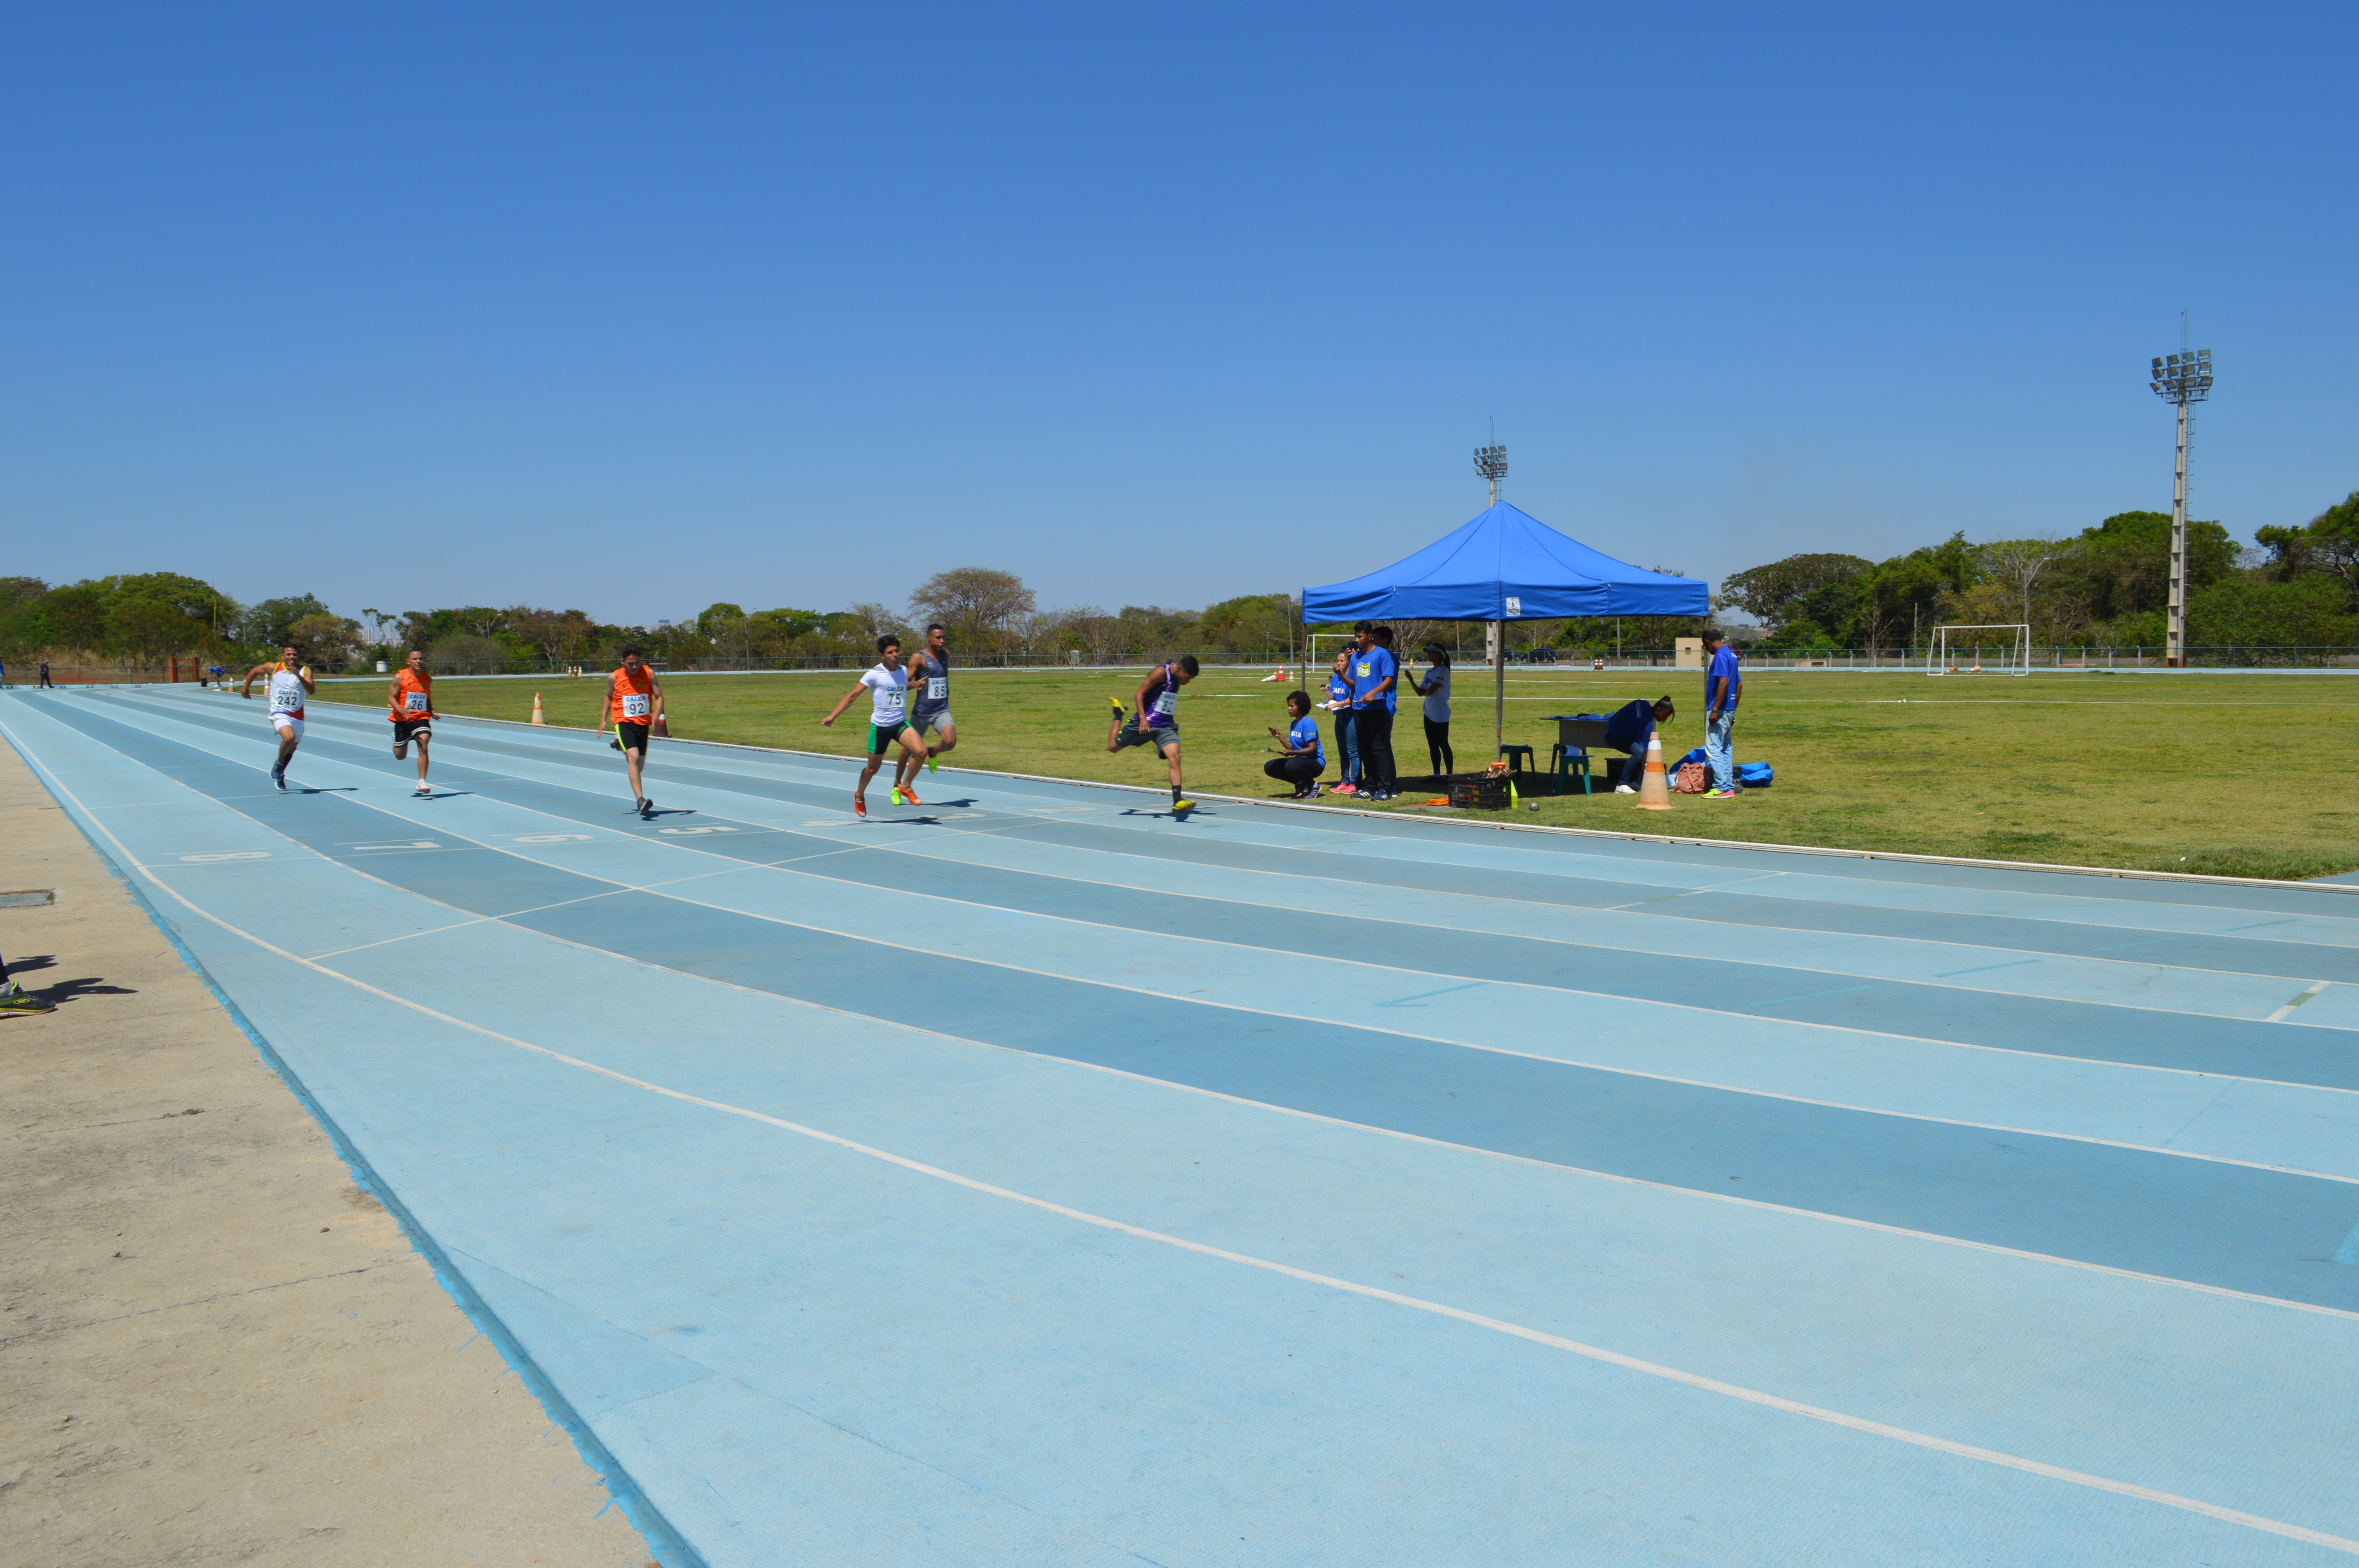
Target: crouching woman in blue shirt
column 1627, row 730
column 1301, row 759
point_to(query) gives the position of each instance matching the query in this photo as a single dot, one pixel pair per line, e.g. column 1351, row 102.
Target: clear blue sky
column 635, row 309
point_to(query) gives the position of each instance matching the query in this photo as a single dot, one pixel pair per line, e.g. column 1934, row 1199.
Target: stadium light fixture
column 1491, row 463
column 2183, row 379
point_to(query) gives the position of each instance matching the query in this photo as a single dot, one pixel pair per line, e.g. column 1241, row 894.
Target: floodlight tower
column 1491, row 463
column 2184, row 379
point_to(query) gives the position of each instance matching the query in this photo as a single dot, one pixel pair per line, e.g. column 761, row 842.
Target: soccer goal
column 2001, row 649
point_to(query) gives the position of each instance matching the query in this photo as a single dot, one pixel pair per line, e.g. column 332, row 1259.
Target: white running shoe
column 1623, row 789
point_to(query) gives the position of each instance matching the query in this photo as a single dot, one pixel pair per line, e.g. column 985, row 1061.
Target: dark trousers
column 1437, row 744
column 1376, row 726
column 1347, row 745
column 1296, row 771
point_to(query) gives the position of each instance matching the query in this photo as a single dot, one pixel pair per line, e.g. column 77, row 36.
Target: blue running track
column 1031, row 1178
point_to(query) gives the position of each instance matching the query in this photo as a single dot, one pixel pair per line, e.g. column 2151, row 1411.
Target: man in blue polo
column 1722, row 686
column 1627, row 730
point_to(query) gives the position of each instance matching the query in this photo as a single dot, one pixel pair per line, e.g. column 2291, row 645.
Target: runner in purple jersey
column 1154, row 720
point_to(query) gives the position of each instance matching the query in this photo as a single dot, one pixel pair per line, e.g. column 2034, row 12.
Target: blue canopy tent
column 1505, row 565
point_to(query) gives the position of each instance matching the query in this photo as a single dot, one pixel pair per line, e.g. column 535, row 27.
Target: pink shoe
column 1347, row 789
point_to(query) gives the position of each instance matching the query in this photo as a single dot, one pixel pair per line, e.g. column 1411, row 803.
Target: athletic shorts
column 1160, row 737
column 286, row 724
column 883, row 735
column 403, row 729
column 634, row 737
column 937, row 721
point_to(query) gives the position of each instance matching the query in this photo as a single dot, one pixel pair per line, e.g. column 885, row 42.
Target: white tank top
column 286, row 693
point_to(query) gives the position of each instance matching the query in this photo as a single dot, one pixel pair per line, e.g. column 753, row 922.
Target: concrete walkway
column 213, row 1346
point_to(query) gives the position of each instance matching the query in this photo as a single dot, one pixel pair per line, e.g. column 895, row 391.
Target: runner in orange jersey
column 634, row 707
column 413, row 715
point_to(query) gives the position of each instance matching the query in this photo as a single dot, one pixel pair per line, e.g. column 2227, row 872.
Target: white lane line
column 1820, row 1215
column 2281, row 1014
column 1328, row 1282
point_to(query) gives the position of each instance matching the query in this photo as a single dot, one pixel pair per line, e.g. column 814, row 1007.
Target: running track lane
column 1492, row 1242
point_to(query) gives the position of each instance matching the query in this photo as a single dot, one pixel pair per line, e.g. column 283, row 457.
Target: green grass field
column 2228, row 775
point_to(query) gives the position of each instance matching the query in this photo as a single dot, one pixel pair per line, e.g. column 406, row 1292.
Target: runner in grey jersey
column 929, row 704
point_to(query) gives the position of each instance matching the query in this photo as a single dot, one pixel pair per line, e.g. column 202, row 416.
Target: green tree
column 2251, row 611
column 23, row 618
column 77, row 616
column 1774, row 593
column 268, row 623
column 2122, row 565
column 1255, row 621
column 980, row 610
column 2328, row 544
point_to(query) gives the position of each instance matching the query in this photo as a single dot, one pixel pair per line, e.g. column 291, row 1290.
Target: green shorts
column 883, row 735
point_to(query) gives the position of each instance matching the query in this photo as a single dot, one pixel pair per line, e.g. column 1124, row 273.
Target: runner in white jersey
column 289, row 683
column 887, row 685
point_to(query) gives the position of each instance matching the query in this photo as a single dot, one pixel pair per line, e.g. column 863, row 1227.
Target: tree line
column 145, row 619
column 2109, row 585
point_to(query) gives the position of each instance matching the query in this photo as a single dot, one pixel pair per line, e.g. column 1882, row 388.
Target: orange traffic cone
column 663, row 727
column 536, row 716
column 1654, row 792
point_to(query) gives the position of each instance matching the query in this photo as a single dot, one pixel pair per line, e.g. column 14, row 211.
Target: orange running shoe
column 910, row 795
column 860, row 807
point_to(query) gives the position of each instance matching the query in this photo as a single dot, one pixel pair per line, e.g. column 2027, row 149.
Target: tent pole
column 1498, row 689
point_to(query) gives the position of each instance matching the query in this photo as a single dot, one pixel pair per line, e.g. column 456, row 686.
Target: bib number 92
column 634, row 707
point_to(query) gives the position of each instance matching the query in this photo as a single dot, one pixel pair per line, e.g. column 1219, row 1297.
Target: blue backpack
column 1754, row 776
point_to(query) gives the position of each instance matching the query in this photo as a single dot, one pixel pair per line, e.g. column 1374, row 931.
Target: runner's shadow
column 1167, row 815
column 324, row 789
column 444, row 794
column 670, row 811
column 62, row 990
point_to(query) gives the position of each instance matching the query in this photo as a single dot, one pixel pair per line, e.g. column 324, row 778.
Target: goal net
column 2001, row 649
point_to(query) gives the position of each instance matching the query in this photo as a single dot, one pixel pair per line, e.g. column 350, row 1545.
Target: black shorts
column 883, row 733
column 631, row 737
column 403, row 729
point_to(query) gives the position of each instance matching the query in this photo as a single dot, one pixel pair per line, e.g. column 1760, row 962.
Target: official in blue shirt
column 1373, row 674
column 1722, row 683
column 1627, row 730
column 1301, row 759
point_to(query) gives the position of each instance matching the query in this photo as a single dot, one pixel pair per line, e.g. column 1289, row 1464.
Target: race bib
column 635, row 706
column 415, row 702
column 938, row 687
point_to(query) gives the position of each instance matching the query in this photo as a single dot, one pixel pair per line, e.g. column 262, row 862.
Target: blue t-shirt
column 1304, row 731
column 1723, row 668
column 1339, row 688
column 1630, row 723
column 1367, row 670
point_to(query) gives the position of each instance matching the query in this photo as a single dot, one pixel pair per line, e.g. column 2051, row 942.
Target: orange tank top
column 413, row 695
column 629, row 697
